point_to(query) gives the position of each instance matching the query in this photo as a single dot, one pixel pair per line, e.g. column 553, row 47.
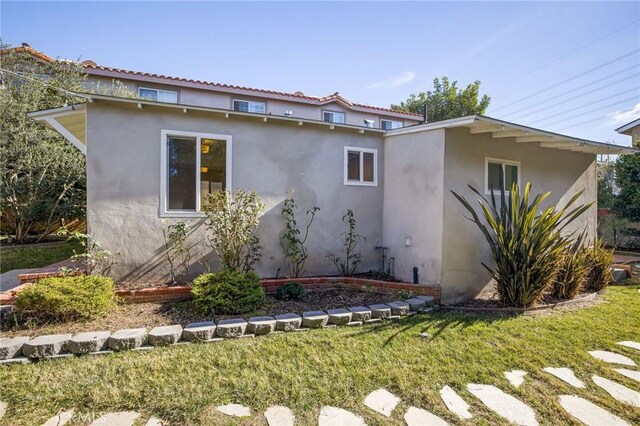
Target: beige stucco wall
column 123, row 163
column 413, row 196
column 563, row 173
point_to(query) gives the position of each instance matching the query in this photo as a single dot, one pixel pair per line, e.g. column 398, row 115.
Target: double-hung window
column 333, row 117
column 390, row 124
column 249, row 106
column 158, row 95
column 193, row 166
column 360, row 166
column 500, row 174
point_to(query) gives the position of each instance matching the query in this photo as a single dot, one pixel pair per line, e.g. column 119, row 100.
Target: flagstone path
column 618, row 391
column 566, row 375
column 515, row 377
column 589, row 413
column 504, row 404
column 455, row 403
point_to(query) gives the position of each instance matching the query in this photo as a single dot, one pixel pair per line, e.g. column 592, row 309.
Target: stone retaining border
column 271, row 286
column 21, row 350
column 588, row 298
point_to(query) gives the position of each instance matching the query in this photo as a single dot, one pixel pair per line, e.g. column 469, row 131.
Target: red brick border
column 271, row 286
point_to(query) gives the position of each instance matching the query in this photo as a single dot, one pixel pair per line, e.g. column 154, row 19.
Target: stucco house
column 149, row 160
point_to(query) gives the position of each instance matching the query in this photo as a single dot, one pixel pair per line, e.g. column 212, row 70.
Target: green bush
column 227, row 292
column 290, row 291
column 573, row 272
column 68, row 298
column 525, row 240
column 599, row 260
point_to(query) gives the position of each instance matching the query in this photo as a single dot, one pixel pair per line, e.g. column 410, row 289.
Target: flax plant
column 525, row 240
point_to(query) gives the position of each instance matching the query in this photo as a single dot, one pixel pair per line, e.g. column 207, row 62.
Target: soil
column 155, row 314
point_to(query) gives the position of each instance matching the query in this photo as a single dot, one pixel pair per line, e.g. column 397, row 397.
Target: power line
column 592, row 111
column 570, row 53
column 606, row 86
column 626, row 55
column 624, row 92
column 581, row 123
column 24, row 77
column 572, row 90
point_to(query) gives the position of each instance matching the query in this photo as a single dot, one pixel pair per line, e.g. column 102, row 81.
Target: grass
column 35, row 256
column 183, row 384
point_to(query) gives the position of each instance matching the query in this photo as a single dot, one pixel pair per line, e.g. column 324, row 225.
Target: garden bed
column 156, row 314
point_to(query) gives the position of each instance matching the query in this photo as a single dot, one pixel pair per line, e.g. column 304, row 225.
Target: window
column 158, row 95
column 360, row 166
column 390, row 124
column 500, row 174
column 193, row 166
column 333, row 117
column 249, row 106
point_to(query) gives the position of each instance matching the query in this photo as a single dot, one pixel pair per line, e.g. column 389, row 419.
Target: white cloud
column 625, row 116
column 396, row 81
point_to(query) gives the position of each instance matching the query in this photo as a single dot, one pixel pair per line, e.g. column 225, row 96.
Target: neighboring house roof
column 91, row 68
column 70, row 121
column 627, row 128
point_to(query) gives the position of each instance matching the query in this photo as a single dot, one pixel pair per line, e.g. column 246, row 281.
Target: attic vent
column 298, row 93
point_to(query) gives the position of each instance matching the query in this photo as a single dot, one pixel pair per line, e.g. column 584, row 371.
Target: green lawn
column 35, row 256
column 340, row 367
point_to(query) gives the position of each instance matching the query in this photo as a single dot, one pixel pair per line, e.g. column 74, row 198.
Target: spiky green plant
column 599, row 260
column 573, row 271
column 526, row 241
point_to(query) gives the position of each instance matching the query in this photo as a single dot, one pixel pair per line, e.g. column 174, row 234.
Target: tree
column 606, row 178
column 446, row 101
column 627, row 203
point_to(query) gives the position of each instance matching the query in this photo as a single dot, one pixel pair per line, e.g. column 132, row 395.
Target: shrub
column 177, row 251
column 232, row 220
column 97, row 259
column 599, row 260
column 573, row 271
column 525, row 241
column 352, row 258
column 293, row 239
column 227, row 292
column 68, row 298
column 290, row 291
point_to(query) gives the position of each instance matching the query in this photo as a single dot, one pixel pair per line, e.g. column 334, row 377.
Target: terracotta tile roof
column 25, row 48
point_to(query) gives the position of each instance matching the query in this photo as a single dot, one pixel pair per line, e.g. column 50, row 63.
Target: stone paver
column 504, row 404
column 235, row 410
column 199, row 331
column 129, row 338
column 12, row 347
column 455, row 403
column 416, row 305
column 382, row 401
column 589, row 413
column 333, row 416
column 566, row 375
column 634, row 375
column 85, row 343
column 165, row 335
column 233, row 327
column 279, row 416
column 360, row 313
column 630, row 344
column 122, row 418
column 399, row 308
column 261, row 325
column 60, row 419
column 380, row 311
column 339, row 316
column 419, row 417
column 612, row 358
column 515, row 377
column 153, row 421
column 3, row 408
column 314, row 319
column 618, row 391
column 288, row 322
column 46, row 346
column 431, row 301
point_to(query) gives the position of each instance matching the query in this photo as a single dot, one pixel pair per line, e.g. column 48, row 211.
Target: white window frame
column 503, row 163
column 158, row 92
column 360, row 182
column 391, row 121
column 164, row 134
column 233, row 105
column 344, row 116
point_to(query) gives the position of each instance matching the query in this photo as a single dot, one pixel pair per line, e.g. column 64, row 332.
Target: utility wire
column 624, row 92
column 582, row 114
column 616, row 74
column 619, row 58
column 580, row 124
column 570, row 53
column 606, row 86
column 24, row 77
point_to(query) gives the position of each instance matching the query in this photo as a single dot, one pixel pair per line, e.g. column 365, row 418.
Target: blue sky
column 562, row 66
